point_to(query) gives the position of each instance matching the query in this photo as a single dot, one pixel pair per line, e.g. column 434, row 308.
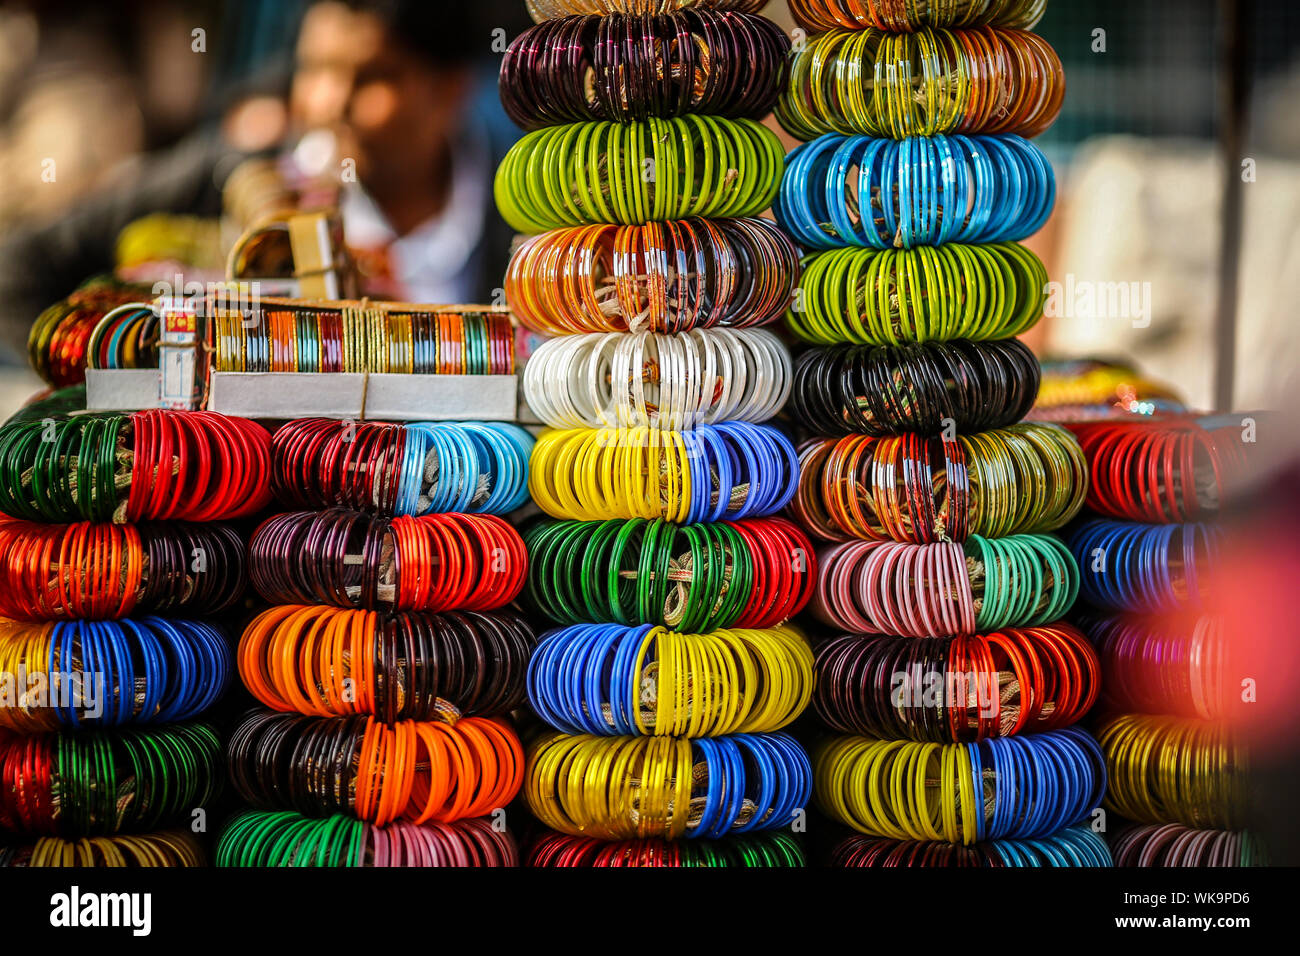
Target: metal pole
column 1234, row 98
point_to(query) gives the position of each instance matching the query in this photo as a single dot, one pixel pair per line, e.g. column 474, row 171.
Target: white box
column 123, row 390
column 347, row 395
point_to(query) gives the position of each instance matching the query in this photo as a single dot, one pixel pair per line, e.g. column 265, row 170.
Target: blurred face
column 392, row 112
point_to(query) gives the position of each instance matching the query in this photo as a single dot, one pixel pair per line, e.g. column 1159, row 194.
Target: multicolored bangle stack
column 643, row 175
column 956, row 674
column 1178, row 772
column 390, row 658
column 99, row 749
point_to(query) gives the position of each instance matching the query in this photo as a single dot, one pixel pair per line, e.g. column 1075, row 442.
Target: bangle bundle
column 625, row 68
column 168, row 848
column 629, row 173
column 956, row 689
column 413, row 469
column 262, row 839
column 351, row 559
column 1144, row 567
column 905, row 16
column 1071, row 847
column 753, row 850
column 414, row 770
column 922, row 190
column 1023, row 479
column 379, row 339
column 57, row 344
column 981, row 80
column 546, row 9
column 111, row 673
column 945, row 588
column 96, row 783
column 328, row 662
column 126, row 337
column 1017, row 787
column 659, row 381
column 95, row 571
column 609, row 680
column 1162, row 664
column 714, row 472
column 657, row 277
column 895, row 296
column 1174, row 770
column 626, row 788
column 1168, row 471
column 881, row 390
column 149, row 465
column 1172, row 844
column 696, row 577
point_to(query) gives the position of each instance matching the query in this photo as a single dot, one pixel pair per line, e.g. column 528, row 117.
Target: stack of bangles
column 625, row 68
column 1160, row 472
column 95, row 571
column 126, row 337
column 1172, row 844
column 922, row 190
column 1023, row 479
column 630, row 788
column 1071, row 847
column 905, row 16
column 656, row 277
column 411, row 469
column 882, row 390
column 607, row 679
column 1174, row 770
column 1017, row 787
column 934, row 590
column 283, row 838
column 1164, row 664
column 418, row 771
column 956, row 689
column 1144, row 567
column 435, row 562
column 895, row 296
column 695, row 577
column 754, row 850
column 58, row 343
column 168, row 848
column 930, row 81
column 148, row 465
column 98, row 783
column 632, row 173
column 674, row 382
column 142, row 671
column 714, row 472
column 329, row 662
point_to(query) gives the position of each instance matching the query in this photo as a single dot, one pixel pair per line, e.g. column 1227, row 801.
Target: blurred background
column 93, row 97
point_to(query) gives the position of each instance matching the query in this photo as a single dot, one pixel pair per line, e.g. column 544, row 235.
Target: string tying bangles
column 695, row 578
column 629, row 788
column 1016, row 787
column 922, row 190
column 978, row 80
column 657, row 277
column 897, row 296
column 347, row 558
column 1023, row 479
column 328, row 662
column 945, row 588
column 630, row 173
column 881, row 390
column 624, row 68
column 1071, row 847
column 613, row 680
column 419, row 771
column 956, row 689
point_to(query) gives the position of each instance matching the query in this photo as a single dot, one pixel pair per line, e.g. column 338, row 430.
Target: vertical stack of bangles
column 1177, row 770
column 672, row 671
column 117, row 549
column 390, row 657
column 955, row 677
